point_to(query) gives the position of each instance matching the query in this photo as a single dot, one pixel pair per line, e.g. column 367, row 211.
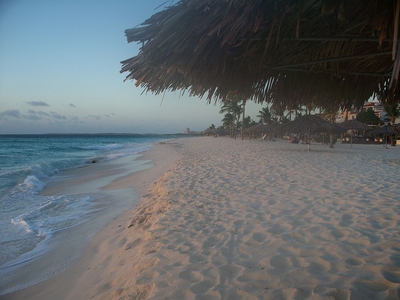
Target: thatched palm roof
column 309, row 124
column 354, row 125
column 260, row 128
column 385, row 129
column 215, row 131
column 248, row 48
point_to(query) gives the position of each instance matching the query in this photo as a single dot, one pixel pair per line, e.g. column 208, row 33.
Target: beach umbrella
column 260, row 128
column 247, row 130
column 208, row 131
column 386, row 130
column 221, row 132
column 214, row 131
column 354, row 125
column 309, row 124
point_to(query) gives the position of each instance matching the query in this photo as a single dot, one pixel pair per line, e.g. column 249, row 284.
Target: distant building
column 377, row 107
column 346, row 115
column 187, row 131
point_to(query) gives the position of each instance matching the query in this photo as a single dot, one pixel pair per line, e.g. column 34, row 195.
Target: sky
column 59, row 72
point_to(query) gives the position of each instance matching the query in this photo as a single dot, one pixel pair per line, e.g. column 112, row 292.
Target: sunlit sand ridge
column 236, row 219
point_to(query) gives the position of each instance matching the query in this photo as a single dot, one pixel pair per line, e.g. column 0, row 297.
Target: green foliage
column 393, row 111
column 248, row 122
column 232, row 107
column 228, row 121
column 368, row 117
column 267, row 116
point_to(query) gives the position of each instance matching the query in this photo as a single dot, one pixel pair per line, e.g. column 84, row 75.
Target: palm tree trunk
column 331, row 135
column 244, row 106
column 236, row 127
column 331, row 140
column 393, row 137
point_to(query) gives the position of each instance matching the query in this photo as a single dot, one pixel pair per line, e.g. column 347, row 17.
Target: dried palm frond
column 269, row 50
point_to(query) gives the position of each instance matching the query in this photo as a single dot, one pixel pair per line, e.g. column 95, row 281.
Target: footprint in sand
column 395, row 258
column 260, row 237
column 256, row 239
column 146, row 276
column 364, row 289
column 198, row 258
column 318, row 268
column 289, row 250
column 202, row 287
column 347, row 220
column 192, row 276
column 279, row 229
column 133, row 244
column 391, row 274
column 145, row 265
column 231, row 270
column 239, row 223
column 338, row 234
column 211, row 242
column 279, row 261
column 140, row 292
column 354, row 262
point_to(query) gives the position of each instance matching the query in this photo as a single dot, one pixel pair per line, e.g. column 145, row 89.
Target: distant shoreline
column 100, row 134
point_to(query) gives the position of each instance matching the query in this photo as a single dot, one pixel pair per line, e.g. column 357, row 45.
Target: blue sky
column 59, row 72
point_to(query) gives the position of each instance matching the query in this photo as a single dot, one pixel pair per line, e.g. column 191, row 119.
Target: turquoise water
column 28, row 219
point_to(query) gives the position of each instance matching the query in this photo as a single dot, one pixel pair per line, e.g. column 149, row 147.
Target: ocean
column 35, row 218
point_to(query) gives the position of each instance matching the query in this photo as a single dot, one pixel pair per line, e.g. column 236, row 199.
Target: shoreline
column 139, row 181
column 232, row 219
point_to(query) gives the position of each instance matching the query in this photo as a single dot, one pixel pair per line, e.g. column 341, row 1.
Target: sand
column 231, row 219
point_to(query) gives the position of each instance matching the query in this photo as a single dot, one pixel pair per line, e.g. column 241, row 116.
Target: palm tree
column 266, row 116
column 297, row 109
column 368, row 117
column 279, row 108
column 228, row 122
column 309, row 107
column 393, row 111
column 329, row 112
column 243, row 112
column 248, row 122
column 235, row 109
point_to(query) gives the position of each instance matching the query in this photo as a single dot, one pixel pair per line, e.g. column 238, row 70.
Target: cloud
column 58, row 116
column 40, row 113
column 107, row 116
column 32, row 117
column 95, row 117
column 11, row 113
column 37, row 103
column 71, row 105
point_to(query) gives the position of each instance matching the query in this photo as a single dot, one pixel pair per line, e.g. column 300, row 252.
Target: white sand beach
column 231, row 219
